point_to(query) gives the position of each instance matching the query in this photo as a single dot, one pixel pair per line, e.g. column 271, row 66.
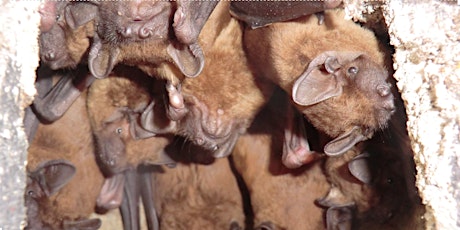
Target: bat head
column 346, row 95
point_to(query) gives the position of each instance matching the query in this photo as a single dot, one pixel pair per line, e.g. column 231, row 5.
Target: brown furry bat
column 216, row 107
column 64, row 46
column 201, row 192
column 334, row 73
column 68, row 38
column 114, row 108
column 281, row 198
column 64, row 180
column 211, row 110
column 375, row 182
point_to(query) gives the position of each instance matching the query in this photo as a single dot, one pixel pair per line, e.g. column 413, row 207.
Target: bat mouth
column 112, row 163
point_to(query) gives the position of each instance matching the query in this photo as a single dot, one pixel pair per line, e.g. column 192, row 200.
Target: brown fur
column 126, row 91
column 222, row 100
column 226, row 84
column 280, row 196
column 391, row 200
column 68, row 138
column 198, row 194
column 282, row 51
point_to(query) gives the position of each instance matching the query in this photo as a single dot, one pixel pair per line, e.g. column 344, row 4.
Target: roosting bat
column 213, row 109
column 201, row 192
column 201, row 112
column 114, row 107
column 68, row 39
column 375, row 182
column 63, row 46
column 261, row 13
column 64, row 180
column 334, row 73
column 281, row 198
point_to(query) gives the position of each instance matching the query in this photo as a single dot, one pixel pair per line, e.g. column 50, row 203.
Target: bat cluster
column 215, row 115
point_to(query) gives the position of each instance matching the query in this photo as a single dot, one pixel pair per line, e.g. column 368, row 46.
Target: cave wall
column 426, row 38
column 18, row 60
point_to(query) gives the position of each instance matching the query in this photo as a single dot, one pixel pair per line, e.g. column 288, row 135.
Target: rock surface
column 426, row 37
column 18, row 60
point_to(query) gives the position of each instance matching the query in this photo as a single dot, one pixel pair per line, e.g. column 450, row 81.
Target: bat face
column 346, row 95
column 110, row 142
column 53, row 47
column 372, row 80
column 134, row 21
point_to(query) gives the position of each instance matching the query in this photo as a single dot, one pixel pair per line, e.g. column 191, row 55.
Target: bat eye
column 352, row 71
column 389, row 180
column 31, row 193
column 119, row 130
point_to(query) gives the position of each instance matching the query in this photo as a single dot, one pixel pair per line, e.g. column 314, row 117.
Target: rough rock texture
column 18, row 60
column 426, row 37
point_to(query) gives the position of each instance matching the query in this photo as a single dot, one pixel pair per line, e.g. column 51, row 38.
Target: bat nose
column 389, row 106
column 145, row 32
column 127, row 32
column 383, row 90
column 50, row 56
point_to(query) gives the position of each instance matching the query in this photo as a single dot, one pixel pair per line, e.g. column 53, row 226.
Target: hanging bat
column 333, row 72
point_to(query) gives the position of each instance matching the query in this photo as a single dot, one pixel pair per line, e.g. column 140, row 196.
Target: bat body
column 64, row 180
column 281, row 198
column 64, row 46
column 376, row 182
column 114, row 107
column 201, row 192
column 221, row 103
column 338, row 82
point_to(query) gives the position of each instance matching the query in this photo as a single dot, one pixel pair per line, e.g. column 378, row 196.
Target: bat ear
column 316, row 85
column 53, row 175
column 85, row 224
column 111, row 194
column 102, row 58
column 319, row 81
column 339, row 217
column 190, row 18
column 79, row 14
column 154, row 120
column 359, row 168
column 136, row 130
column 333, row 197
column 188, row 58
column 344, row 142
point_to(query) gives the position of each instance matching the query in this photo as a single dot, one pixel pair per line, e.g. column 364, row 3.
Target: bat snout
column 383, row 90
